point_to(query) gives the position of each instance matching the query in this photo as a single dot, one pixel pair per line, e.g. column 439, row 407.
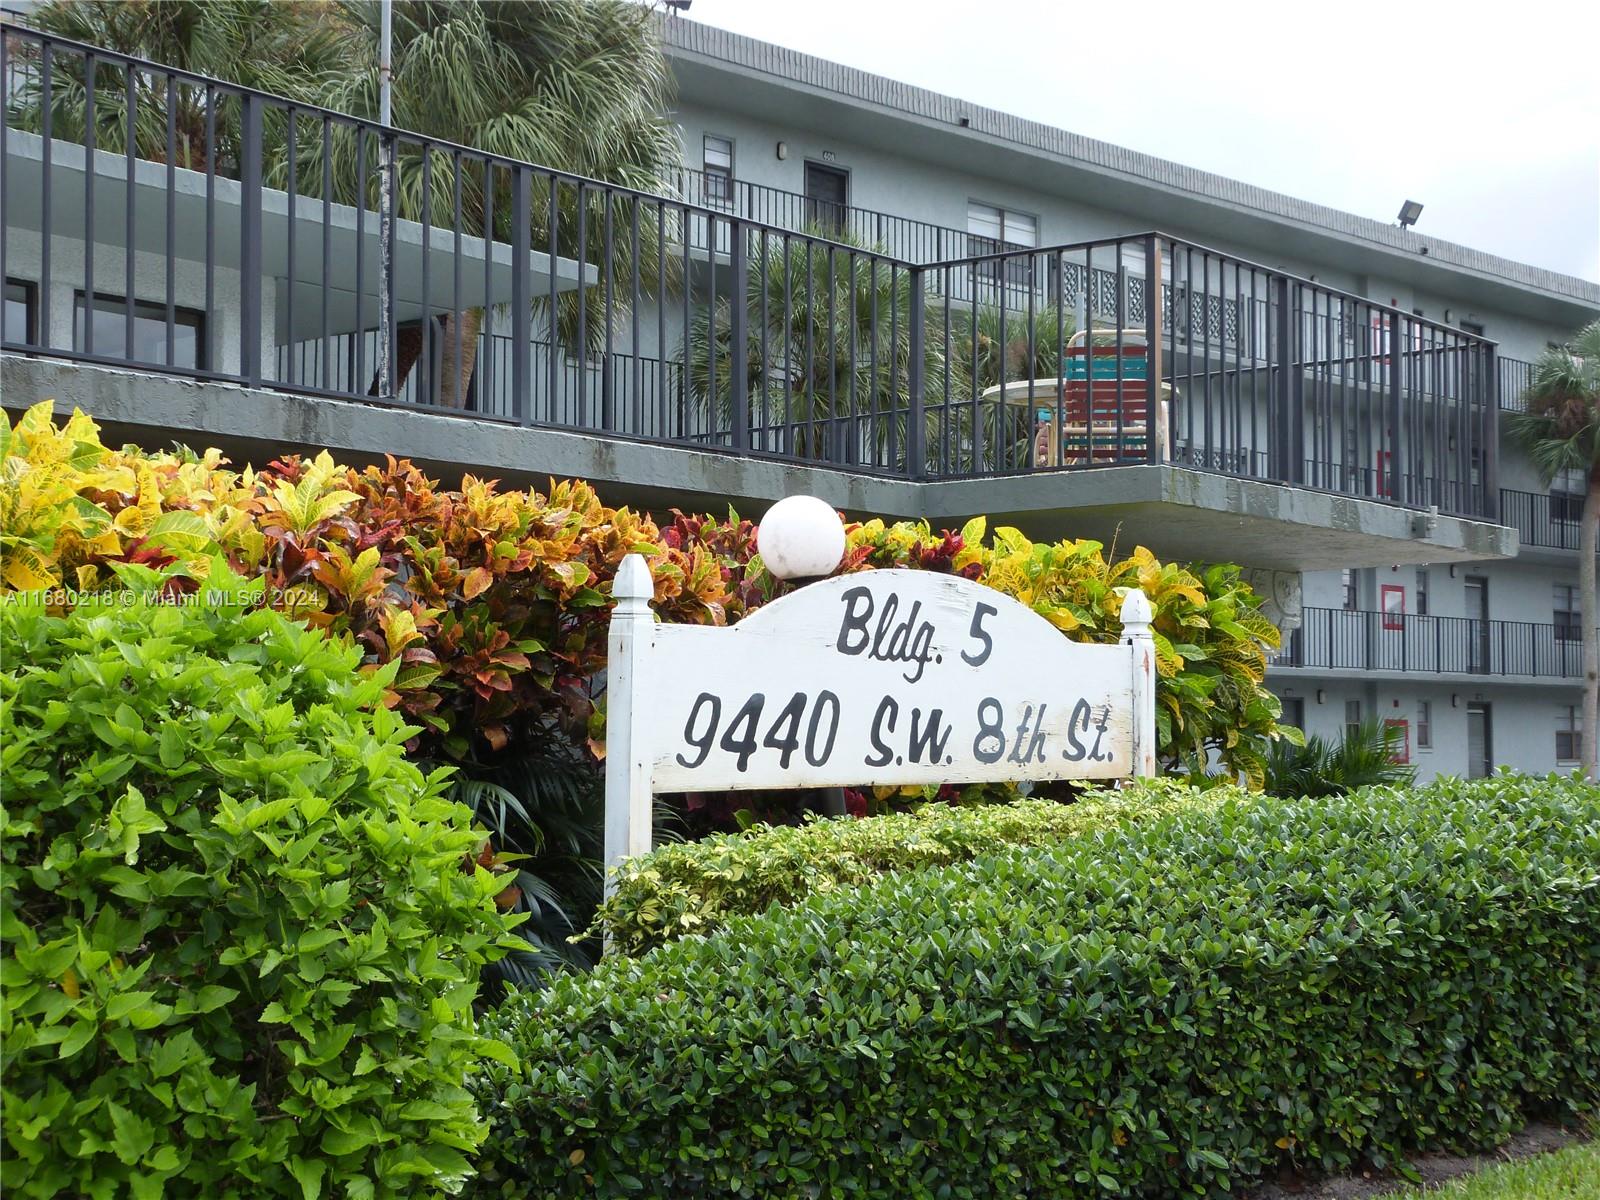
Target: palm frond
column 1364, row 756
column 1559, row 426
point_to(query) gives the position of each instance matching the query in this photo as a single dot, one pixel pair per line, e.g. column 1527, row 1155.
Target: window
column 1566, row 496
column 991, row 230
column 1424, row 724
column 1294, row 711
column 1567, row 617
column 20, row 312
column 718, row 159
column 1472, row 327
column 1352, row 598
column 1569, row 735
column 149, row 332
column 1352, row 717
column 1422, row 602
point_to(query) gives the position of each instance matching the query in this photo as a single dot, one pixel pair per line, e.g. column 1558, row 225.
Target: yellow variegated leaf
column 25, row 569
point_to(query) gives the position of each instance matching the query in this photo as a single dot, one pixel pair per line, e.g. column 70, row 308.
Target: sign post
column 887, row 677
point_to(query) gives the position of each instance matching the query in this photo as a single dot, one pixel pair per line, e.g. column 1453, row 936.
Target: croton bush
column 494, row 603
column 1176, row 1007
column 243, row 932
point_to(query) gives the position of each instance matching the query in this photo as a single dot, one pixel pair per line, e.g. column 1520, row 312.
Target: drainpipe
column 385, row 205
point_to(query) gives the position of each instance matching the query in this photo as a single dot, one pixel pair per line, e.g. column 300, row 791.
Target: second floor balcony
column 197, row 230
column 1345, row 640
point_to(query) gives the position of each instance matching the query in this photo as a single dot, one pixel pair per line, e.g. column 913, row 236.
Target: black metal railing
column 1342, row 639
column 1515, row 377
column 1249, row 372
column 269, row 242
column 1551, row 520
column 909, row 240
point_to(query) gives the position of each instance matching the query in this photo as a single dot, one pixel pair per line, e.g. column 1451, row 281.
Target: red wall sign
column 1393, row 596
column 1402, row 752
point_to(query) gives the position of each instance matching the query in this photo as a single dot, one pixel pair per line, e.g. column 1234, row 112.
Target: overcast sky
column 1487, row 113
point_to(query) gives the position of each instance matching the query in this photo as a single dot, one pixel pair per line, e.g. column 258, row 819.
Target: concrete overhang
column 1200, row 516
column 1178, row 513
column 1466, row 682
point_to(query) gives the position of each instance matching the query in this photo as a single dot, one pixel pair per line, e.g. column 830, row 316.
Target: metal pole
column 385, row 203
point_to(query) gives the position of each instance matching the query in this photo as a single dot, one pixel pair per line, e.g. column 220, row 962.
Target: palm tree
column 580, row 86
column 1560, row 430
column 1010, row 344
column 275, row 47
column 1003, row 345
column 828, row 352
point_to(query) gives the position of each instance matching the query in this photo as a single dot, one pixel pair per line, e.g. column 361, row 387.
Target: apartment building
column 904, row 303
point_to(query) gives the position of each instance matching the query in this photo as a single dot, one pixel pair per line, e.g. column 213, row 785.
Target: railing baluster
column 915, row 431
column 522, row 295
column 130, row 231
column 46, row 132
column 250, row 217
column 739, row 388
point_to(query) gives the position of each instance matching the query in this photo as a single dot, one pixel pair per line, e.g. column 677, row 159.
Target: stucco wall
column 24, row 261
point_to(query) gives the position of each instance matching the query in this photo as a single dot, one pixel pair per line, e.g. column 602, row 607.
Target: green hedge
column 1171, row 1008
column 694, row 887
column 242, row 932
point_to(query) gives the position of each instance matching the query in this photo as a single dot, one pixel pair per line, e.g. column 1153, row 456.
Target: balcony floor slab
column 1178, row 513
column 1459, row 679
column 1198, row 515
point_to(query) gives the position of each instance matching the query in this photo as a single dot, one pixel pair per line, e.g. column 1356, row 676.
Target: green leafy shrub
column 243, row 933
column 1162, row 1009
column 1361, row 757
column 694, row 887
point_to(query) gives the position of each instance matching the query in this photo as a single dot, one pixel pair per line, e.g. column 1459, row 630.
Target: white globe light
column 801, row 537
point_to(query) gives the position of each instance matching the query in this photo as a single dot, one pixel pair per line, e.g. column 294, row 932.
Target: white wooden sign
column 882, row 677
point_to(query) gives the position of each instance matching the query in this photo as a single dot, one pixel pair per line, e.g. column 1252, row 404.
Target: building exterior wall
column 67, row 278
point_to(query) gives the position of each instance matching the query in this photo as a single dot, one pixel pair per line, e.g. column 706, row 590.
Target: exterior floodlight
column 1409, row 212
column 801, row 537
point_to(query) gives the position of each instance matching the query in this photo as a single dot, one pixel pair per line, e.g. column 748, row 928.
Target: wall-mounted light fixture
column 1452, row 570
column 1452, row 699
column 783, row 151
column 1321, row 695
column 1409, row 212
